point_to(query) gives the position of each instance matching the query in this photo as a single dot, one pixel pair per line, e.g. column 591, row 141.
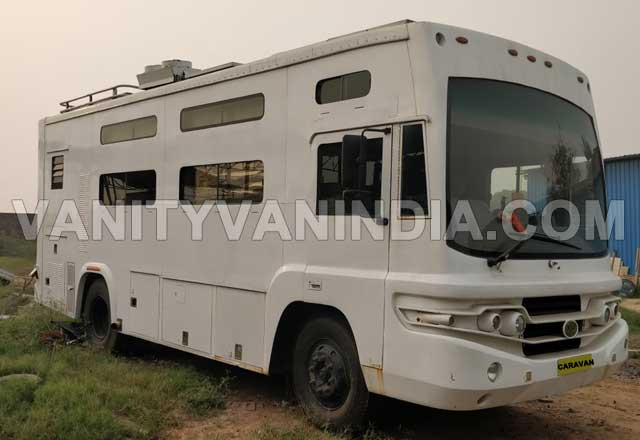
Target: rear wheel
column 97, row 316
column 327, row 376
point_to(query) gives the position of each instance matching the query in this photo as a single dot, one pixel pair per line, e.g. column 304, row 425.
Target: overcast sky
column 53, row 50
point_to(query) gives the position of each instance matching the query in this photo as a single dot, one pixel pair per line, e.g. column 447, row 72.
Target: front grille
column 546, row 329
column 552, row 305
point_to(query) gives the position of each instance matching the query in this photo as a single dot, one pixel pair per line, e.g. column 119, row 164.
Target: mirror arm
column 386, row 130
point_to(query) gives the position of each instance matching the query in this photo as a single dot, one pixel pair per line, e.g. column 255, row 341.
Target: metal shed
column 622, row 175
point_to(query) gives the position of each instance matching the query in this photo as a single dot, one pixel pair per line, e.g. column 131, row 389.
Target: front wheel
column 327, row 376
column 97, row 317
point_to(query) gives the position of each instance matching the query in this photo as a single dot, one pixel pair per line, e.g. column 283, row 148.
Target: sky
column 51, row 51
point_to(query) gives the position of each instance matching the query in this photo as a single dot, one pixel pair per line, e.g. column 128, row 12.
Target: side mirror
column 352, row 146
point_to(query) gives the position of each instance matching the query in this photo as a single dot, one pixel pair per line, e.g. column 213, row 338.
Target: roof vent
column 168, row 72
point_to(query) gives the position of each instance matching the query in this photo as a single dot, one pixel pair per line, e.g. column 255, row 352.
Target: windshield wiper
column 504, row 256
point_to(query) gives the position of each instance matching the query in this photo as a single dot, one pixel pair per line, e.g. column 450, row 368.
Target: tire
column 96, row 315
column 327, row 376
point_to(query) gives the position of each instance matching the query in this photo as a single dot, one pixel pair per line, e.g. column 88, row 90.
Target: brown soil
column 608, row 409
column 632, row 304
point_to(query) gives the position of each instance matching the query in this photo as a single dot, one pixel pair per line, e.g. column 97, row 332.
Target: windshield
column 507, row 142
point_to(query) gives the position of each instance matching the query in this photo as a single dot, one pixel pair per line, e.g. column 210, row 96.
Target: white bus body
column 241, row 301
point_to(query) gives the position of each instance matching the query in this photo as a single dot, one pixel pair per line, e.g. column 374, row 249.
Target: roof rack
column 68, row 106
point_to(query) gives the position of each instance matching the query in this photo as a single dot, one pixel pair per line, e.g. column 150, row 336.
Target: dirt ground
column 608, row 409
column 632, row 304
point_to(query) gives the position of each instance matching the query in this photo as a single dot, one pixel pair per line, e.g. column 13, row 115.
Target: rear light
column 581, row 80
column 513, row 52
column 462, row 40
column 549, row 64
column 532, row 58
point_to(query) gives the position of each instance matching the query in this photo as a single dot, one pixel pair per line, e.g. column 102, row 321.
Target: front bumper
column 448, row 372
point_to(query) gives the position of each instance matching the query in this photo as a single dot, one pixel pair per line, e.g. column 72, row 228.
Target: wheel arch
column 89, row 274
column 294, row 316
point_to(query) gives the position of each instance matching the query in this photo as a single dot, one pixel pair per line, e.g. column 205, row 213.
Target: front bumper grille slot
column 552, row 305
column 550, row 347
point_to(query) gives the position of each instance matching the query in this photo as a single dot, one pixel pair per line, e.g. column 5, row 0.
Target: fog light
column 570, row 329
column 489, row 322
column 493, row 372
column 513, row 323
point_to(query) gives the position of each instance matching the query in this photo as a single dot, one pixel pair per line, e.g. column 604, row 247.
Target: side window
column 216, row 114
column 129, row 130
column 232, row 182
column 125, row 188
column 341, row 88
column 413, row 185
column 57, row 172
column 355, row 181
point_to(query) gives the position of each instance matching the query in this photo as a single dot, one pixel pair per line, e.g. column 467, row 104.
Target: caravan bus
column 413, row 166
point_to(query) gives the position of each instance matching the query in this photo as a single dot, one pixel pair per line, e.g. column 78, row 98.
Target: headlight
column 489, row 322
column 604, row 317
column 615, row 309
column 513, row 323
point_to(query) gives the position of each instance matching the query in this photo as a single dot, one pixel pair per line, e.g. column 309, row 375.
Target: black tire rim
column 328, row 376
column 99, row 316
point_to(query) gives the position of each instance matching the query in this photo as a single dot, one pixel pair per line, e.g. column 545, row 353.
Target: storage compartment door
column 239, row 326
column 144, row 305
column 187, row 310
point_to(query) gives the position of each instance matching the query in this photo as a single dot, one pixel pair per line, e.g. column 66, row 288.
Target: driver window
column 359, row 189
column 413, row 186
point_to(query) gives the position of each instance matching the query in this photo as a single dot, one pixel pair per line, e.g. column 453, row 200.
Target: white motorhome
column 428, row 114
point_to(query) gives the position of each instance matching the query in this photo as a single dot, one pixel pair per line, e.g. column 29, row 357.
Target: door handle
column 382, row 221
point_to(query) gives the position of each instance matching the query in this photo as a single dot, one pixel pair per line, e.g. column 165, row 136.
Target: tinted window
column 129, row 130
column 341, row 88
column 414, row 176
column 57, row 172
column 510, row 143
column 233, row 182
column 233, row 111
column 125, row 188
column 361, row 189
